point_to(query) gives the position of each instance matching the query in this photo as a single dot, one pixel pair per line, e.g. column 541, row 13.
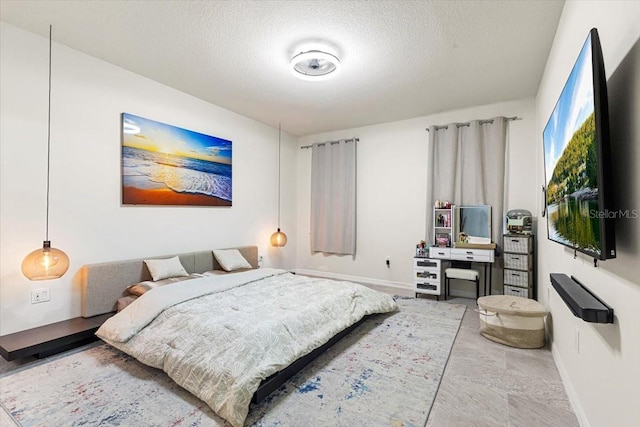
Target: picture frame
column 171, row 166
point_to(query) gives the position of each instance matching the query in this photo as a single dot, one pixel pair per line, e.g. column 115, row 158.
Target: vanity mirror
column 474, row 220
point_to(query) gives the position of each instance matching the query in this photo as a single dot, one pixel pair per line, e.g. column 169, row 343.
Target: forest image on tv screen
column 571, row 162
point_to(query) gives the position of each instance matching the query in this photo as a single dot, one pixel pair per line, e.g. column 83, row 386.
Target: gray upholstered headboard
column 104, row 283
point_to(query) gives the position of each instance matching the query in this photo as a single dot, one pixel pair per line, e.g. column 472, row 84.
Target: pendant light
column 278, row 239
column 46, row 263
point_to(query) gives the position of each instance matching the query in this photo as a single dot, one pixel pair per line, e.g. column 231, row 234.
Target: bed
column 226, row 338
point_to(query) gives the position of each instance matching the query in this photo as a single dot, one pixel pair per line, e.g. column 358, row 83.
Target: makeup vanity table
column 484, row 256
column 448, row 221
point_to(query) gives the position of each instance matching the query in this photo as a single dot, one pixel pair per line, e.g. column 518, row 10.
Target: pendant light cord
column 279, row 133
column 48, row 138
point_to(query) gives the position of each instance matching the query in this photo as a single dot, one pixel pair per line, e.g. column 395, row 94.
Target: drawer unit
column 523, row 279
column 518, row 244
column 519, row 268
column 440, row 253
column 518, row 261
column 427, row 276
column 518, row 292
column 473, row 255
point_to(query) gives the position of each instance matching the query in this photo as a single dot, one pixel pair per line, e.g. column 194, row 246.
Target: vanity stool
column 461, row 274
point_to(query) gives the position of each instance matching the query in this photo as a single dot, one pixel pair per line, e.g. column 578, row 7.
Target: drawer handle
column 515, row 274
column 470, row 252
column 426, row 264
column 440, row 253
column 515, row 241
column 427, row 275
column 515, row 257
column 469, row 257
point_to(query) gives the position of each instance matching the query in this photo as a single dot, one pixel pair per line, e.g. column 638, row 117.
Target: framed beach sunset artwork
column 168, row 165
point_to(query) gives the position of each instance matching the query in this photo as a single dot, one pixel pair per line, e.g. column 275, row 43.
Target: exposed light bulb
column 46, row 260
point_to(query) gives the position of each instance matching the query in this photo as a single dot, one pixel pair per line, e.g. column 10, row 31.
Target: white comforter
column 220, row 336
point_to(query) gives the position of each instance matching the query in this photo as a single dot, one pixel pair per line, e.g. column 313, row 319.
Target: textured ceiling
column 400, row 59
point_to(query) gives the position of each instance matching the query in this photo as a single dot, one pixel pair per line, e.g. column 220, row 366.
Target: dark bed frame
column 102, row 284
column 270, row 384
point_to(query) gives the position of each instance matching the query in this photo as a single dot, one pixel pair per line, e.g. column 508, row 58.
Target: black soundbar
column 580, row 300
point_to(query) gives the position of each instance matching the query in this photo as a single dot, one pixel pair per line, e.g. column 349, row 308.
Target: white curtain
column 467, row 167
column 333, row 197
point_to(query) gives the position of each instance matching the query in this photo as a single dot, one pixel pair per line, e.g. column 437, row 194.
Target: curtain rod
column 330, row 142
column 482, row 122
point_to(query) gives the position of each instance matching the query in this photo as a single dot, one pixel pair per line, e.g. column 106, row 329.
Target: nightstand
column 51, row 339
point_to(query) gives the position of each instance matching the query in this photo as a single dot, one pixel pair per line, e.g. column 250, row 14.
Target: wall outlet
column 40, row 295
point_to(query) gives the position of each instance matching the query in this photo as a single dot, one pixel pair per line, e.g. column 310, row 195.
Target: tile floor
column 489, row 384
column 484, row 384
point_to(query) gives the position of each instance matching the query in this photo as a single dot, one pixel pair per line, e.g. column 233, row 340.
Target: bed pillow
column 215, row 272
column 221, row 272
column 138, row 289
column 125, row 301
column 230, row 259
column 165, row 268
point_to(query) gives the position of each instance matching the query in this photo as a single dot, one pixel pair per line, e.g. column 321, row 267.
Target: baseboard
column 568, row 387
column 462, row 294
column 356, row 279
column 372, row 281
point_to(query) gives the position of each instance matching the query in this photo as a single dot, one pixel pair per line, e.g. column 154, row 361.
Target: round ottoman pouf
column 513, row 321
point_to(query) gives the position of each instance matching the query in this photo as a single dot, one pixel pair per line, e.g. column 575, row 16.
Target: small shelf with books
column 443, row 226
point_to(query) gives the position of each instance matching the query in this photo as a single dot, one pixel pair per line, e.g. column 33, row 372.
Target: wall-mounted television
column 577, row 159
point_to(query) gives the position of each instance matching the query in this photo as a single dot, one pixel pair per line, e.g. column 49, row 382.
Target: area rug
column 384, row 373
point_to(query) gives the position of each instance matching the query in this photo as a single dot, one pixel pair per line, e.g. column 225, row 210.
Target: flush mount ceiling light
column 314, row 65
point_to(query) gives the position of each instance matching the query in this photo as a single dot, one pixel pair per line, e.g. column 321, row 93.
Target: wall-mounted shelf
column 50, row 339
column 580, row 300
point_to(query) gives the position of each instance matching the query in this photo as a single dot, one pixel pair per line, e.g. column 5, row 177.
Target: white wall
column 86, row 219
column 391, row 193
column 600, row 364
